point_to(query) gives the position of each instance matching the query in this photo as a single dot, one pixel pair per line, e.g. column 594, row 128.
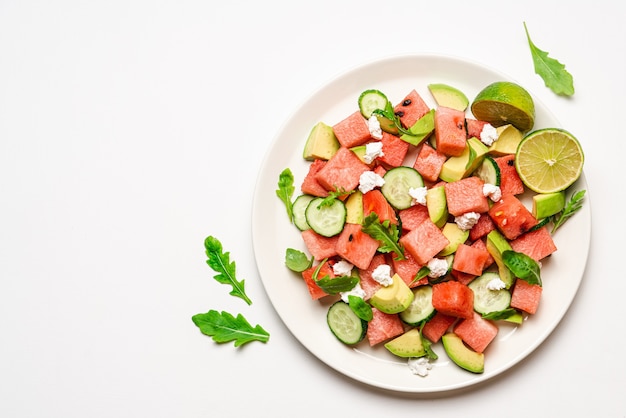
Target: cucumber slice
column 488, row 171
column 345, row 324
column 371, row 100
column 421, row 309
column 299, row 209
column 327, row 220
column 487, row 300
column 398, row 181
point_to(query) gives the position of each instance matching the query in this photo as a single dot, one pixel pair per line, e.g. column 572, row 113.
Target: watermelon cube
column 394, row 150
column 510, row 181
column 320, row 247
column 352, row 131
column 355, row 246
column 469, row 259
column 383, row 327
column 413, row 216
column 484, row 226
column 437, row 326
column 474, row 127
column 466, row 195
column 429, row 162
column 511, row 217
column 424, row 242
column 310, row 185
column 526, row 296
column 342, row 171
column 407, row 269
column 450, row 133
column 476, row 332
column 314, row 290
column 368, row 284
column 375, row 202
column 536, row 244
column 453, row 298
column 411, row 109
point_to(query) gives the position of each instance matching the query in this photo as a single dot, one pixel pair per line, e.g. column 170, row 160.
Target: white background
column 131, row 130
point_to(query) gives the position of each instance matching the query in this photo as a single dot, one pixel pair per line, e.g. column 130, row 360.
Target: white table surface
column 131, row 130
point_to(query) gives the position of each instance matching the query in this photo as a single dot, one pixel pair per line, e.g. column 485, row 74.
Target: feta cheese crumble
column 418, row 194
column 496, row 284
column 467, row 220
column 374, row 127
column 357, row 291
column 373, row 150
column 438, row 267
column 488, row 135
column 382, row 274
column 342, row 268
column 492, row 191
column 420, row 366
column 369, row 180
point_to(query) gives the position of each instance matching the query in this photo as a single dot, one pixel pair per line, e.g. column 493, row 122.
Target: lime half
column 549, row 160
column 504, row 102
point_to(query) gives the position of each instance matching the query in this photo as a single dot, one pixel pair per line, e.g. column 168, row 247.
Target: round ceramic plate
column 272, row 234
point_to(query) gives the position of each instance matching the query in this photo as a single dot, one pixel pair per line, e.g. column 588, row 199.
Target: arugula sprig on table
column 220, row 262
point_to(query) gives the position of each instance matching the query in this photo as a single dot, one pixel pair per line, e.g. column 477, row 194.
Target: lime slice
column 502, row 103
column 549, row 160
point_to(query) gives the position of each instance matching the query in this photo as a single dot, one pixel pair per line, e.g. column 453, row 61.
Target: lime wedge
column 504, row 102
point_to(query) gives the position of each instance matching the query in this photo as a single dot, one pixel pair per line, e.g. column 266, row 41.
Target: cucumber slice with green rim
column 421, row 309
column 327, row 220
column 371, row 100
column 398, row 181
column 345, row 324
column 488, row 171
column 487, row 300
column 299, row 209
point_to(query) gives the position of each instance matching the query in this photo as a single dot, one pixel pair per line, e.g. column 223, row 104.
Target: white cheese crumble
column 438, row 267
column 496, row 284
column 374, row 127
column 373, row 150
column 492, row 191
column 342, row 268
column 370, row 180
column 419, row 195
column 467, row 220
column 382, row 274
column 420, row 366
column 357, row 291
column 488, row 135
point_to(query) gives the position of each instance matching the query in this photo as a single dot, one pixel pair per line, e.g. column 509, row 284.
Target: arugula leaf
column 497, row 315
column 285, row 191
column 224, row 327
column 389, row 113
column 386, row 233
column 220, row 262
column 522, row 266
column 421, row 273
column 335, row 285
column 550, row 70
column 430, row 353
column 297, row 261
column 334, row 195
column 361, row 308
column 574, row 205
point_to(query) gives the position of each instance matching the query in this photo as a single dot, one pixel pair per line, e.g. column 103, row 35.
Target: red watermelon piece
column 369, row 285
column 314, row 290
column 483, row 246
column 394, row 150
column 429, row 162
column 484, row 226
column 424, row 242
column 407, row 269
column 320, row 247
column 383, row 327
column 355, row 246
column 469, row 259
column 411, row 109
column 310, row 185
column 412, row 217
column 474, row 127
column 466, row 195
column 352, row 131
column 526, row 296
column 437, row 326
column 536, row 244
column 509, row 179
column 450, row 133
column 462, row 277
column 453, row 298
column 374, row 201
column 511, row 217
column 342, row 171
column 476, row 332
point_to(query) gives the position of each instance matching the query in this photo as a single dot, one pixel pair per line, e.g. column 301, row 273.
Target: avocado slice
column 393, row 298
column 354, row 208
column 455, row 235
column 321, row 143
column 547, row 204
column 509, row 138
column 421, row 129
column 448, row 96
column 496, row 245
column 437, row 205
column 462, row 355
column 408, row 344
column 456, row 168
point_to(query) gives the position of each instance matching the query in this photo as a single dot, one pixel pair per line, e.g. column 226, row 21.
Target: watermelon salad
column 417, row 227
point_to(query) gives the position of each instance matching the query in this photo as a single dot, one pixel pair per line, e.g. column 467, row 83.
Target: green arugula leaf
column 386, row 233
column 361, row 308
column 338, row 284
column 522, row 266
column 285, row 191
column 574, row 205
column 334, row 195
column 224, row 327
column 430, row 353
column 498, row 315
column 421, row 273
column 550, row 70
column 297, row 261
column 220, row 262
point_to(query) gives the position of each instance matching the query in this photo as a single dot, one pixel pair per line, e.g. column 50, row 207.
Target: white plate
column 306, row 319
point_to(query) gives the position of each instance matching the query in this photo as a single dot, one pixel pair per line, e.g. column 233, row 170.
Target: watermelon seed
column 406, row 102
column 399, row 113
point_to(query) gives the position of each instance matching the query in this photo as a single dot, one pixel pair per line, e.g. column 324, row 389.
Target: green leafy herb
column 522, row 266
column 297, row 261
column 426, row 343
column 421, row 273
column 335, row 285
column 361, row 308
column 220, row 262
column 498, row 315
column 334, row 195
column 285, row 191
column 389, row 113
column 550, row 70
column 386, row 233
column 224, row 327
column 573, row 206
